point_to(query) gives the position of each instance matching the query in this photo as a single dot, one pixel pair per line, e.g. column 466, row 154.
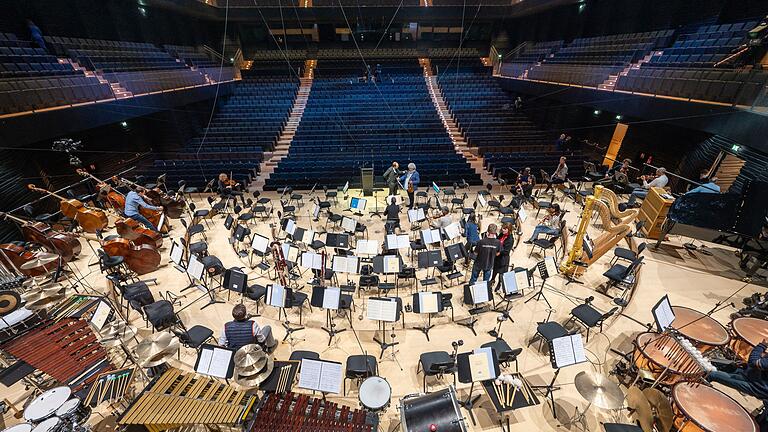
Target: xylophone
column 67, row 350
column 175, row 399
column 290, row 412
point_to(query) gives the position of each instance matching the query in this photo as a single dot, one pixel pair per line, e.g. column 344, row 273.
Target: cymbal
column 660, row 403
column 250, row 357
column 156, row 345
column 41, row 259
column 250, row 380
column 599, row 390
column 637, row 401
column 160, row 358
column 42, row 298
column 9, row 301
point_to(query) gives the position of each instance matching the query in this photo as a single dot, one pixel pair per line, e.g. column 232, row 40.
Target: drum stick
column 497, row 388
column 512, row 399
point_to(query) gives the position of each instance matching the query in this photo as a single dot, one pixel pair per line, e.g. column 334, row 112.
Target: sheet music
column 320, row 375
column 276, row 295
column 345, row 189
column 481, row 200
column 549, row 262
column 309, row 378
column 331, row 297
column 312, row 260
column 453, row 231
column 367, row 247
column 357, row 203
column 568, row 350
column 416, row 215
column 521, row 278
column 395, row 241
column 522, row 215
column 315, row 211
column 259, row 243
column 195, row 268
column 479, row 367
column 382, row 310
column 177, row 253
column 435, row 188
column 290, row 226
column 488, row 353
column 290, row 252
column 346, row 264
column 430, row 236
column 305, row 236
column 214, row 362
column 427, row 302
column 349, row 224
column 391, row 264
column 663, row 313
column 99, row 317
column 579, row 354
column 480, row 292
column 510, row 283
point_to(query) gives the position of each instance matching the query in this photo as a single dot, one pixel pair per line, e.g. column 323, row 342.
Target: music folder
column 514, row 281
column 277, row 295
column 429, row 236
column 455, row 252
column 320, row 375
column 482, row 364
column 663, row 314
column 345, row 264
column 522, row 215
column 338, row 241
column 312, row 260
column 416, row 215
column 215, row 361
column 349, row 224
column 290, row 253
column 387, row 264
column 567, row 350
column 260, row 244
column 288, row 225
column 177, row 255
column 452, row 231
column 356, row 203
column 195, row 268
column 382, row 309
column 480, row 292
column 241, row 232
column 325, row 297
column 304, row 235
column 482, row 201
column 367, row 247
column 431, row 258
column 228, row 222
column 394, row 241
column 427, row 302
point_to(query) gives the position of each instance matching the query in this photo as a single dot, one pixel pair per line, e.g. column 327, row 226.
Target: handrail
column 516, row 50
column 212, row 52
column 239, row 62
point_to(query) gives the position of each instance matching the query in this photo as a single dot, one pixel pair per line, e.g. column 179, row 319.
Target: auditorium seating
column 530, row 54
column 704, row 46
column 192, row 56
column 113, row 56
column 355, row 3
column 348, row 124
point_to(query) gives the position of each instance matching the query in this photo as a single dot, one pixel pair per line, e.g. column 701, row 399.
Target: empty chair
column 590, row 317
column 358, row 368
column 436, row 363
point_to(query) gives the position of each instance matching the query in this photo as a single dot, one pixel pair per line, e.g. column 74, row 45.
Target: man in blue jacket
column 751, row 380
column 410, row 181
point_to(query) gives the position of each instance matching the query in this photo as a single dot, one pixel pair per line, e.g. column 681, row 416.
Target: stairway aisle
column 462, row 148
column 273, row 158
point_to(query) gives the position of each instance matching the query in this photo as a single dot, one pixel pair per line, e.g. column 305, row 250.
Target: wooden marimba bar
column 292, row 412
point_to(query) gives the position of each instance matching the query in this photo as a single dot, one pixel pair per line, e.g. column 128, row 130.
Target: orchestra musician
column 708, row 186
column 134, row 202
column 487, row 249
column 617, row 178
column 752, row 379
column 243, row 331
column 393, row 215
column 472, row 233
column 501, row 262
column 660, row 180
column 229, row 188
column 549, row 225
column 524, row 184
column 560, row 175
column 390, row 176
column 410, row 181
column 443, row 220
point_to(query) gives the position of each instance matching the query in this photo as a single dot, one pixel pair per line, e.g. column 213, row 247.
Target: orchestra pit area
column 413, row 216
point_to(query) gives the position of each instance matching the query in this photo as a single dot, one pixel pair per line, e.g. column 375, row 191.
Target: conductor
column 390, row 176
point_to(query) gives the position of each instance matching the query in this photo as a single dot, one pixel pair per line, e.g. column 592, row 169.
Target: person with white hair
column 410, row 181
column 659, row 181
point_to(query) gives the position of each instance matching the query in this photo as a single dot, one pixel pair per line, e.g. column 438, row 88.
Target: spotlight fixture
column 124, row 124
column 596, row 112
column 619, row 116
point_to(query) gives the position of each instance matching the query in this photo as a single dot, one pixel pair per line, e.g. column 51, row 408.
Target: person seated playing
column 243, row 331
column 659, row 181
column 524, row 184
column 549, row 225
column 443, row 220
column 617, row 178
column 393, row 215
column 560, row 175
column 229, row 188
column 752, row 379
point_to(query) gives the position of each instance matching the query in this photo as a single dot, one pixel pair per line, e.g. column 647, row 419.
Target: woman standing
column 501, row 263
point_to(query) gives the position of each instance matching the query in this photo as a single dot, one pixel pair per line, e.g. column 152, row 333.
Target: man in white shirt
column 660, row 181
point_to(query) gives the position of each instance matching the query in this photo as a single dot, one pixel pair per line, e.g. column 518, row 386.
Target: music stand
column 240, row 234
column 476, row 295
column 563, row 351
column 547, row 269
column 196, row 274
column 480, row 365
column 259, row 246
column 430, row 259
column 235, row 280
column 357, row 205
column 346, row 264
column 429, row 303
column 663, row 314
column 387, row 265
column 337, row 241
column 383, row 310
column 215, row 361
column 327, row 298
column 321, row 375
column 280, row 297
column 177, row 257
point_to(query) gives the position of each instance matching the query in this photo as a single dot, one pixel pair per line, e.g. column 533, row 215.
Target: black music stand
column 430, row 259
column 476, row 295
column 419, row 308
column 468, row 376
column 337, row 241
column 386, row 265
column 327, row 298
column 281, row 297
column 210, row 358
column 382, row 316
column 563, row 351
column 544, row 274
column 235, row 279
column 260, row 247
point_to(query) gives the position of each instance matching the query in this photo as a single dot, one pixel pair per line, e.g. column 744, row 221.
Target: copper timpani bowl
column 747, row 333
column 655, row 352
column 701, row 408
column 704, row 331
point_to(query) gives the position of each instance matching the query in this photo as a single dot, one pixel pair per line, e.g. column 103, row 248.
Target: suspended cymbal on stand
column 251, row 357
column 44, row 297
column 641, row 408
column 157, row 349
column 252, row 366
column 41, row 260
column 599, row 390
column 662, row 408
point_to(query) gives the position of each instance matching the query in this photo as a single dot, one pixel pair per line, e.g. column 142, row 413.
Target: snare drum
column 701, row 408
column 46, row 404
column 704, row 331
column 656, row 353
column 747, row 333
column 53, row 424
column 73, row 411
column 438, row 408
column 375, row 393
column 21, row 427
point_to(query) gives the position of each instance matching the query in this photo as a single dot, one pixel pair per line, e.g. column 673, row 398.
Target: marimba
column 292, row 412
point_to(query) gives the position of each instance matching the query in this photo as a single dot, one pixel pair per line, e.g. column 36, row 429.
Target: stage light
column 596, row 112
column 736, row 147
column 124, row 124
column 582, row 6
column 142, row 11
column 619, row 117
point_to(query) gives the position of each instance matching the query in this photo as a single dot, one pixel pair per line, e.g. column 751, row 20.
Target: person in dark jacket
column 393, row 215
column 390, row 177
column 501, row 263
column 751, row 380
column 486, row 251
column 243, row 331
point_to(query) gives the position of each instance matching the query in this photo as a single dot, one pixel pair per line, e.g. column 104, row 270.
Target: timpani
column 662, row 356
column 747, row 333
column 701, row 408
column 704, row 331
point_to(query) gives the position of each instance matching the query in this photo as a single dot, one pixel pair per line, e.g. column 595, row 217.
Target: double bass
column 91, row 220
column 137, row 233
column 141, row 259
column 65, row 244
column 174, row 207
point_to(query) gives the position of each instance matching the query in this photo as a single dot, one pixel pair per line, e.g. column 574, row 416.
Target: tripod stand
column 540, row 295
column 376, row 211
column 330, row 327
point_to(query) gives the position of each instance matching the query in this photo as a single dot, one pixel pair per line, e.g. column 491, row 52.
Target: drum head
column 68, row 408
column 662, row 350
column 375, row 393
column 48, row 425
column 9, row 301
column 711, row 409
column 23, row 427
column 46, row 404
column 752, row 330
column 702, row 328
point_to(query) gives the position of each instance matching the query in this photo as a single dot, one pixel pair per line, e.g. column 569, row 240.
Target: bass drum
column 440, row 408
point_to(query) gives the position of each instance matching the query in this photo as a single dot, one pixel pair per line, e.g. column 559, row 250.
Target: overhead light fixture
column 619, row 116
column 124, row 124
column 596, row 112
column 736, row 147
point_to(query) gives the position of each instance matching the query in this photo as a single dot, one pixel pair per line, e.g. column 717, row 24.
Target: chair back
column 608, row 314
column 641, row 247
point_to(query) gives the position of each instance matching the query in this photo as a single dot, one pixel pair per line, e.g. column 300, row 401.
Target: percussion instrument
column 52, row 424
column 375, row 393
column 701, row 408
column 73, row 412
column 44, row 297
column 252, row 365
column 19, row 256
column 641, row 408
column 440, row 408
column 46, row 404
column 40, row 259
column 303, row 413
column 598, row 390
column 9, row 302
column 157, row 349
column 65, row 244
column 704, row 331
column 665, row 358
column 21, row 427
column 175, row 399
column 660, row 403
column 747, row 333
column 91, row 220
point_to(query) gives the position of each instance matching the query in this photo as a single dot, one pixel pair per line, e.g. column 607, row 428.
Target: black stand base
column 425, row 330
column 290, row 330
column 469, row 403
column 332, row 332
column 384, row 345
column 469, row 324
column 538, row 296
